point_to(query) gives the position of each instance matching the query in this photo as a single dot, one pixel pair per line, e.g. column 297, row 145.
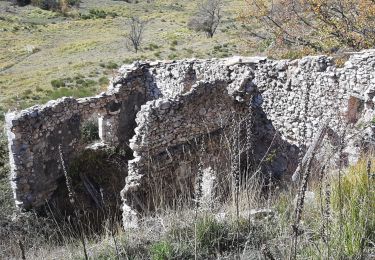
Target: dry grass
column 39, row 46
column 229, row 228
column 337, row 219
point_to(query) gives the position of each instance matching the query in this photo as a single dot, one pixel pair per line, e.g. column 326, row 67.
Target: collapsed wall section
column 166, row 140
column 297, row 95
column 35, row 135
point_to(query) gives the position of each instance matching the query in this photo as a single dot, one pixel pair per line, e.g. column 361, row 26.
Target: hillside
column 38, row 46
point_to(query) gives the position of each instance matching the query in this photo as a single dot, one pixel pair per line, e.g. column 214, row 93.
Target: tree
column 318, row 25
column 207, row 17
column 134, row 37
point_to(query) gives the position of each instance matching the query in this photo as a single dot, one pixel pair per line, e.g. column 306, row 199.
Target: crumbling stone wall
column 165, row 106
column 35, row 135
column 296, row 94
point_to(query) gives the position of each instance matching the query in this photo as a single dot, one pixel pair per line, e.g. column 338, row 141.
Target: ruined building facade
column 164, row 111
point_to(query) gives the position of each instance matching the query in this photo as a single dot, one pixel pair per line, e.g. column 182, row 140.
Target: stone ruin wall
column 296, row 96
column 35, row 135
column 160, row 106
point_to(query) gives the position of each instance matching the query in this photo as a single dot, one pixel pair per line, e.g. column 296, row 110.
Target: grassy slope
column 65, row 47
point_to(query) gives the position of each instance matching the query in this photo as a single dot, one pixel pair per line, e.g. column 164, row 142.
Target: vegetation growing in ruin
column 90, row 131
column 338, row 222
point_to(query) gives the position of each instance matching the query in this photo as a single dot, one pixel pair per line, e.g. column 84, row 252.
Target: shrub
column 354, row 197
column 78, row 76
column 152, row 47
column 3, row 155
column 157, row 54
column 112, row 65
column 210, row 234
column 162, row 250
column 90, row 131
column 97, row 14
column 85, row 83
column 172, row 56
column 103, row 81
column 2, row 114
column 128, row 61
column 57, row 83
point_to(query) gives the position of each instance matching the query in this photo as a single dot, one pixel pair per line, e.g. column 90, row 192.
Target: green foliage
column 90, row 131
column 152, row 47
column 68, row 92
column 3, row 156
column 221, row 50
column 78, row 81
column 172, row 56
column 57, row 83
column 129, row 61
column 85, row 83
column 2, row 114
column 112, row 65
column 103, row 81
column 354, row 197
column 157, row 54
column 211, row 234
column 340, row 222
column 162, row 250
column 271, row 156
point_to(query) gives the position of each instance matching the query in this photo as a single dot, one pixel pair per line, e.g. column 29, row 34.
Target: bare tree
column 310, row 25
column 207, row 17
column 134, row 37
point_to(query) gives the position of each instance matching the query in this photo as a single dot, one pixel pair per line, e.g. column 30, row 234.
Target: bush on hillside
column 98, row 14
